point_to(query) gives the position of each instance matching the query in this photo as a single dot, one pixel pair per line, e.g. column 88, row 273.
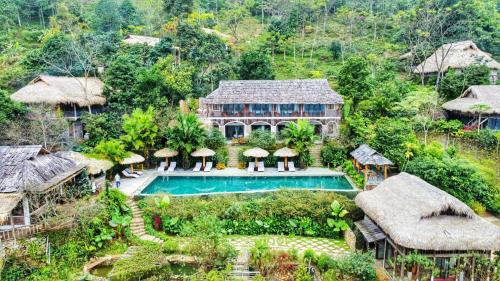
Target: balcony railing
column 296, row 114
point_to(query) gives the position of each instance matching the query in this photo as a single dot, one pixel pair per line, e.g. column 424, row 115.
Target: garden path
column 335, row 248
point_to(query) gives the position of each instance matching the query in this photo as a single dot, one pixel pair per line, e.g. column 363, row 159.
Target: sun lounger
column 138, row 173
column 281, row 166
column 172, row 166
column 129, row 175
column 162, row 167
column 197, row 167
column 208, row 167
column 261, row 167
column 251, row 166
column 291, row 166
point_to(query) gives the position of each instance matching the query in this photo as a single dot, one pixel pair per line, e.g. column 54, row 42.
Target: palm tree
column 186, row 135
column 480, row 108
column 301, row 137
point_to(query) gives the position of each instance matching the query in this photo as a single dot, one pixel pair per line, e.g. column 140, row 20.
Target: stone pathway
column 331, row 247
column 137, row 224
column 316, row 155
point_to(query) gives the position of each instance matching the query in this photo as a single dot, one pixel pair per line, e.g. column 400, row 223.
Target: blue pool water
column 181, row 185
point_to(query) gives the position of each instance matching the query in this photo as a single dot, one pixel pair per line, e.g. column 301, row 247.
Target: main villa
column 239, row 107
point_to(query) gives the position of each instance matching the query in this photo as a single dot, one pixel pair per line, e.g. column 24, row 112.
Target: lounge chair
column 281, row 166
column 162, row 167
column 208, row 167
column 291, row 166
column 197, row 167
column 172, row 166
column 138, row 173
column 261, row 167
column 251, row 166
column 129, row 175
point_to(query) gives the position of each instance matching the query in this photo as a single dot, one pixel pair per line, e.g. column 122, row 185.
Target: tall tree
column 107, row 16
column 354, row 80
column 141, row 131
column 128, row 13
column 178, row 8
column 186, row 135
column 255, row 65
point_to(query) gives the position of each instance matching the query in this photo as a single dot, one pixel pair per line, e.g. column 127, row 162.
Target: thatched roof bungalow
column 72, row 95
column 369, row 161
column 406, row 214
column 463, row 107
column 28, row 174
column 457, row 55
column 140, row 39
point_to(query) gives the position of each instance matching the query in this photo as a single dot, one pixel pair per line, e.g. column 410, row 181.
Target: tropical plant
column 186, row 135
column 480, row 108
column 301, row 137
column 113, row 150
column 337, row 222
column 215, row 139
column 261, row 138
column 140, row 129
column 119, row 223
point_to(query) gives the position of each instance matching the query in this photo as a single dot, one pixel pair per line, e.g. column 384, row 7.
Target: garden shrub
column 325, row 262
column 356, row 267
column 263, row 139
column 221, row 156
column 281, row 212
column 330, row 275
column 309, row 256
column 485, row 139
column 215, row 140
column 333, row 155
column 302, row 274
column 358, row 179
column 146, row 262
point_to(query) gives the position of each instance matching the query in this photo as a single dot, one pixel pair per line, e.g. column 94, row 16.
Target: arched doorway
column 234, row 130
column 260, row 126
column 280, row 127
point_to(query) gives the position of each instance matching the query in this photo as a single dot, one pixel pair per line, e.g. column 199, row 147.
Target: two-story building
column 241, row 106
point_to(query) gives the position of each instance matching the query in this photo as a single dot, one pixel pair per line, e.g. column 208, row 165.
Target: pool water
column 182, row 185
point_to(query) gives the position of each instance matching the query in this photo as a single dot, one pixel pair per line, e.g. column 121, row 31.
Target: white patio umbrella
column 285, row 152
column 203, row 152
column 257, row 153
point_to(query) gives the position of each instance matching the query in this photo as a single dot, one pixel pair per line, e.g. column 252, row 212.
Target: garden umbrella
column 285, row 152
column 203, row 152
column 95, row 166
column 132, row 159
column 256, row 152
column 167, row 153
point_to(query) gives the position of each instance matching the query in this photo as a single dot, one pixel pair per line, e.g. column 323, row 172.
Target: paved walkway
column 331, row 247
column 132, row 186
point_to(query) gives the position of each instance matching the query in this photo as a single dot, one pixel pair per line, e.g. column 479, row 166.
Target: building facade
column 239, row 107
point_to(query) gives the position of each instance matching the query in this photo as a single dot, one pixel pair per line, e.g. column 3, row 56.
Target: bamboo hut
column 370, row 162
column 31, row 181
column 203, row 153
column 71, row 95
column 464, row 108
column 404, row 214
column 140, row 39
column 457, row 55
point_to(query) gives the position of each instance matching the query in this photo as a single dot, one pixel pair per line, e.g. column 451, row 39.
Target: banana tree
column 337, row 222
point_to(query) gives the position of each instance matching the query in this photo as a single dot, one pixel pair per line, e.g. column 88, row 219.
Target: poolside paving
column 131, row 186
column 335, row 248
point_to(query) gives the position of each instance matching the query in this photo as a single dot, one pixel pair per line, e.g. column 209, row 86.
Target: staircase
column 233, row 156
column 316, row 155
column 137, row 224
column 240, row 267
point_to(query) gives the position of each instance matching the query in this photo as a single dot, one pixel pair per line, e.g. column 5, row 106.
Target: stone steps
column 316, row 155
column 233, row 156
column 137, row 224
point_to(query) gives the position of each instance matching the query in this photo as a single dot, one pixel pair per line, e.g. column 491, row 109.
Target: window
column 216, row 107
column 233, row 109
column 287, row 109
column 330, row 107
column 260, row 109
column 314, row 109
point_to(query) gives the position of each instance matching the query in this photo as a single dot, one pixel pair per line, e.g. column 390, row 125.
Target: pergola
column 364, row 156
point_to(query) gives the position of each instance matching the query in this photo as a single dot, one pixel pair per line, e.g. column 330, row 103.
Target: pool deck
column 133, row 186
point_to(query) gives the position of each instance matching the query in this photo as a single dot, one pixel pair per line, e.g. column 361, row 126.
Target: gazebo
column 131, row 160
column 166, row 153
column 285, row 152
column 364, row 158
column 257, row 153
column 203, row 153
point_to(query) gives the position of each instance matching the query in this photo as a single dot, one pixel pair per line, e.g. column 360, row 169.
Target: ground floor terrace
column 237, row 127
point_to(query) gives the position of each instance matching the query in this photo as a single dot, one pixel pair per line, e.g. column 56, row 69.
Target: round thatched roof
column 96, row 166
column 8, row 201
column 166, row 152
column 133, row 158
column 203, row 152
column 256, row 152
column 285, row 152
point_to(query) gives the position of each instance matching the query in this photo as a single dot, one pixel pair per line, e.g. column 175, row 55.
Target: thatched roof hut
column 457, row 55
column 366, row 155
column 54, row 90
column 94, row 166
column 417, row 215
column 475, row 95
column 30, row 168
column 8, row 201
column 140, row 39
column 309, row 91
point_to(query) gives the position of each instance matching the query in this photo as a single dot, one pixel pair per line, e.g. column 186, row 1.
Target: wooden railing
column 20, row 231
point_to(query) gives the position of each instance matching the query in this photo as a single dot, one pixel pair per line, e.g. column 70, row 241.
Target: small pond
column 178, row 270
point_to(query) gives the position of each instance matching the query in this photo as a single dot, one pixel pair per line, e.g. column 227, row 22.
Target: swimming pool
column 198, row 185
